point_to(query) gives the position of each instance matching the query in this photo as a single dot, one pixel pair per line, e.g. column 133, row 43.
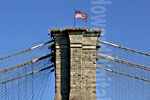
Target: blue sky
column 23, row 22
column 27, row 21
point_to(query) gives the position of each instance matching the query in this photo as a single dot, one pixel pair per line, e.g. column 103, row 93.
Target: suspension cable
column 26, row 75
column 124, row 62
column 27, row 50
column 122, row 73
column 123, row 47
column 24, row 64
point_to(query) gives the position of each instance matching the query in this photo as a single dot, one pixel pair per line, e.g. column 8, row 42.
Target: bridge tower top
column 75, row 60
column 77, row 31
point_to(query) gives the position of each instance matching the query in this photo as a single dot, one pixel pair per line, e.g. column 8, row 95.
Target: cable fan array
column 28, row 74
column 128, row 72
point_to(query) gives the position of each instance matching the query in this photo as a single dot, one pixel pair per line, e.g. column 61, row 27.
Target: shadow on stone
column 65, row 66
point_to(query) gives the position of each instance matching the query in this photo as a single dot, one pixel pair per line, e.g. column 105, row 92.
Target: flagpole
column 74, row 21
column 74, row 18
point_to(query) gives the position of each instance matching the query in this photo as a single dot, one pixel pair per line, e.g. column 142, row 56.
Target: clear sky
column 23, row 22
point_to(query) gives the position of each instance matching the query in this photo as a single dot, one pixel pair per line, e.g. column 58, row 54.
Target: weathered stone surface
column 75, row 61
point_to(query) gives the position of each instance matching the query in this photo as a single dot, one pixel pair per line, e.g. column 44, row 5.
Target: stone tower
column 75, row 60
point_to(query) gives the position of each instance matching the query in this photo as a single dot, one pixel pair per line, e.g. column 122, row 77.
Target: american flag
column 82, row 15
